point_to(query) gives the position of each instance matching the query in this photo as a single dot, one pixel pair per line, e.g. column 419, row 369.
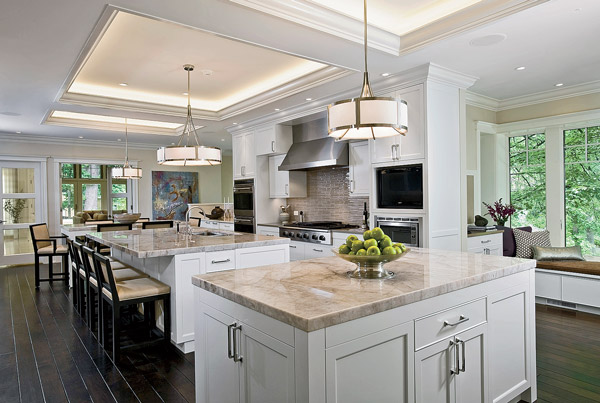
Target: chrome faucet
column 187, row 217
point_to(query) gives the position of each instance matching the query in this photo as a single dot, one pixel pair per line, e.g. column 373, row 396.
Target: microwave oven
column 400, row 187
column 401, row 229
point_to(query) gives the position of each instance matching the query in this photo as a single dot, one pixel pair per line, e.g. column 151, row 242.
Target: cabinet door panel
column 238, row 153
column 267, row 369
column 218, row 381
column 412, row 145
column 279, row 181
column 471, row 385
column 374, row 368
column 434, row 382
column 360, row 169
column 265, row 140
column 296, row 251
column 509, row 336
column 260, row 256
column 313, row 251
column 249, row 155
column 383, row 149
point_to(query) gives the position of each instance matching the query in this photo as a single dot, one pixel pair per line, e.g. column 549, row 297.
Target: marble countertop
column 167, row 242
column 314, row 294
column 483, row 233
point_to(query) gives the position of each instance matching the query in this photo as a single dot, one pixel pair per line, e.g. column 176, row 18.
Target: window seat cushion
column 572, row 266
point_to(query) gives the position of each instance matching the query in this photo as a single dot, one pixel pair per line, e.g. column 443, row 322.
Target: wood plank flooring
column 47, row 353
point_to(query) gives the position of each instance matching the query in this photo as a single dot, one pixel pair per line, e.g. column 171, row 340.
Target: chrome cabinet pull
column 463, row 355
column 318, row 250
column 351, row 185
column 456, row 369
column 292, row 246
column 461, row 319
column 221, row 261
column 236, row 357
column 273, row 145
column 488, row 241
column 287, row 189
column 229, row 353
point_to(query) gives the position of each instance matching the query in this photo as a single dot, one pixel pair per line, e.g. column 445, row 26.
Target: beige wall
column 209, row 177
column 474, row 115
column 227, row 178
column 552, row 108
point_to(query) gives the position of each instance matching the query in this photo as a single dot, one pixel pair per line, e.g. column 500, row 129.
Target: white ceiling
column 41, row 41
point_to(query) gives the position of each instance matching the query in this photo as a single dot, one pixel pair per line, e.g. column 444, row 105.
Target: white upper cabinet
column 360, row 169
column 275, row 139
column 244, row 158
column 284, row 184
column 411, row 146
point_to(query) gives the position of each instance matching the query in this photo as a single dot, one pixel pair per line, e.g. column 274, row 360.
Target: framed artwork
column 172, row 192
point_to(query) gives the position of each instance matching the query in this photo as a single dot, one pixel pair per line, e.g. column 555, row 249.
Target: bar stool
column 74, row 267
column 108, row 227
column 157, row 224
column 45, row 245
column 117, row 295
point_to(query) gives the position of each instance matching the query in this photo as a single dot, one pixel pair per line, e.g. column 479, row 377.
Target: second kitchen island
column 174, row 258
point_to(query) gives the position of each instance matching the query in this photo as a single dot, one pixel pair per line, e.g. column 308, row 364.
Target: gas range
column 314, row 232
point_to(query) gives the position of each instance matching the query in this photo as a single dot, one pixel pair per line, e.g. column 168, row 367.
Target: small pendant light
column 126, row 171
column 186, row 154
column 367, row 117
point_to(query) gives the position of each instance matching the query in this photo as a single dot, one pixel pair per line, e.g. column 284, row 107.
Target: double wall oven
column 243, row 205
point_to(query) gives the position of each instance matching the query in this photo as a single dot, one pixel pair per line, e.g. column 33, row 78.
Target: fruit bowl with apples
column 370, row 254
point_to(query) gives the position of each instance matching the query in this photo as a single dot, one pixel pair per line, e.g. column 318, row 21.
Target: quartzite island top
column 314, row 294
column 168, row 242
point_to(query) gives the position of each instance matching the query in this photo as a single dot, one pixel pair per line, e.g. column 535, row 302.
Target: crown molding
column 444, row 75
column 564, row 121
column 497, row 105
column 326, row 20
column 25, row 138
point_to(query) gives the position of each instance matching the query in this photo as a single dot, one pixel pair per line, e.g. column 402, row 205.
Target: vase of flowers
column 500, row 212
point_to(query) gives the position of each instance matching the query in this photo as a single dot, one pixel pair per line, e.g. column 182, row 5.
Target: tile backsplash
column 328, row 198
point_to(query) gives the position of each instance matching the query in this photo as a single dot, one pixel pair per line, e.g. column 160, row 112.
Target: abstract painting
column 171, row 194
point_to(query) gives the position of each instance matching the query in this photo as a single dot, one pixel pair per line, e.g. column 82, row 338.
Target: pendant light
column 184, row 154
column 126, row 171
column 367, row 116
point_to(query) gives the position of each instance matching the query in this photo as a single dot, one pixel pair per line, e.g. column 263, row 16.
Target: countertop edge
column 338, row 317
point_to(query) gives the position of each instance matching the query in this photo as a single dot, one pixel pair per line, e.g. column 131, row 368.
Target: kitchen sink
column 209, row 233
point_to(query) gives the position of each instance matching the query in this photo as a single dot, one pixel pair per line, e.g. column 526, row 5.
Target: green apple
column 369, row 243
column 397, row 249
column 388, row 250
column 357, row 245
column 367, row 235
column 352, row 253
column 377, row 234
column 385, row 242
column 361, row 252
column 344, row 249
column 351, row 239
column 401, row 246
column 373, row 251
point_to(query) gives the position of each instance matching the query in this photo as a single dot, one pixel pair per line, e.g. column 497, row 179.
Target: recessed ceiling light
column 277, row 109
column 172, row 144
column 184, row 93
column 488, row 40
column 558, row 85
column 123, row 84
column 520, row 68
column 18, row 132
column 118, row 139
column 206, row 72
column 222, row 139
column 234, row 123
column 80, row 137
column 385, row 74
column 309, row 99
column 577, row 10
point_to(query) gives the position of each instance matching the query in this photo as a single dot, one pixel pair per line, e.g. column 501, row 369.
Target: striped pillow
column 525, row 240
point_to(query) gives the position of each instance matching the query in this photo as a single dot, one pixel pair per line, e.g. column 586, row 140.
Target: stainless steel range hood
column 312, row 148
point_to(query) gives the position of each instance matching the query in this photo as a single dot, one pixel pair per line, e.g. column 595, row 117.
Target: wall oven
column 401, row 229
column 243, row 205
column 400, row 187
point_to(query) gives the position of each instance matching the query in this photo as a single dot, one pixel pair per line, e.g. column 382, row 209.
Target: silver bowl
column 127, row 218
column 370, row 267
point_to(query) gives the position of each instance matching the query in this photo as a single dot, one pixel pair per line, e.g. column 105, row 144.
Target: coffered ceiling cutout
column 395, row 26
column 136, row 63
column 113, row 123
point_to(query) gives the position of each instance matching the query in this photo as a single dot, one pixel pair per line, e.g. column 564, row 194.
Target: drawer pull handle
column 292, row 246
column 464, row 360
column 221, row 261
column 456, row 369
column 229, row 352
column 488, row 241
column 318, row 250
column 462, row 319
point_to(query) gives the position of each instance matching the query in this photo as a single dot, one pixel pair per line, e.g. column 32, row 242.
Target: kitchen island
column 174, row 258
column 449, row 327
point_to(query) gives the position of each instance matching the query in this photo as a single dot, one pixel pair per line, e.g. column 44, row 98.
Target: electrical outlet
column 295, row 212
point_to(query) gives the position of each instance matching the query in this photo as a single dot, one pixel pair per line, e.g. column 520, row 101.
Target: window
column 91, row 171
column 582, row 189
column 67, row 171
column 527, row 158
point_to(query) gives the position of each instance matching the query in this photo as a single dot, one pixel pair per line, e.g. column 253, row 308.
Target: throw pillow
column 508, row 240
column 541, row 253
column 526, row 240
column 85, row 217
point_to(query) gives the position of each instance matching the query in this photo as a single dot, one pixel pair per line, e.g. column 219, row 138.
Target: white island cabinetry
column 470, row 343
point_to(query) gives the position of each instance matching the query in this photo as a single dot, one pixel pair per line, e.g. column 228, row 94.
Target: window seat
column 570, row 284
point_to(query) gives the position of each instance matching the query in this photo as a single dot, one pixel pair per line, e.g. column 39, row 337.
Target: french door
column 21, row 202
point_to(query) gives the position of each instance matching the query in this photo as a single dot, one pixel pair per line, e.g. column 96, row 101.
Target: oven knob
column 322, row 238
column 298, row 235
column 284, row 233
column 315, row 237
column 305, row 236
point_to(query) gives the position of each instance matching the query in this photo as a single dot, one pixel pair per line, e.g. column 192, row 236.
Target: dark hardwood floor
column 47, row 353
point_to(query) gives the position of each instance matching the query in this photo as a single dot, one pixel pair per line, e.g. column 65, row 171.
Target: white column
column 555, row 185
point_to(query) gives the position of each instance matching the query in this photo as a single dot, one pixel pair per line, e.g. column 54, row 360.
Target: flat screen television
column 400, row 187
